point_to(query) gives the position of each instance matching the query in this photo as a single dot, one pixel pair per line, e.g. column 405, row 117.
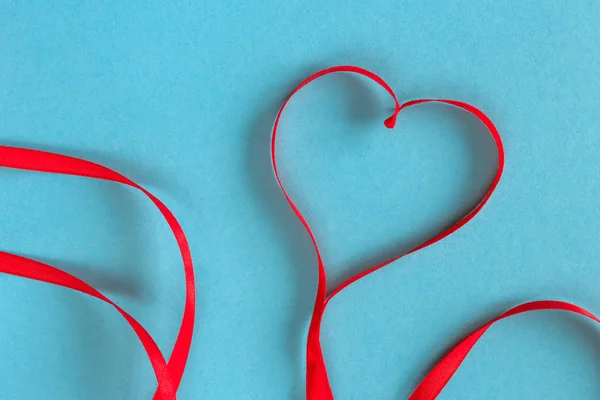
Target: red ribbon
column 438, row 377
column 168, row 374
column 317, row 382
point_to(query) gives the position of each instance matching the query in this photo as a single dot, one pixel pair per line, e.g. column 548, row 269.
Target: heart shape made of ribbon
column 317, row 382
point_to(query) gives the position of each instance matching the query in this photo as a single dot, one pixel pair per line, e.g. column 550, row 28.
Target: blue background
column 181, row 97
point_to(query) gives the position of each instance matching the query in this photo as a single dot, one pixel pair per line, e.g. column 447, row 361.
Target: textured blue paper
column 181, row 98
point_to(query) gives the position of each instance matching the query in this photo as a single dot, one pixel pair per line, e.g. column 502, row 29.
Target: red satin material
column 434, row 382
column 168, row 374
column 317, row 383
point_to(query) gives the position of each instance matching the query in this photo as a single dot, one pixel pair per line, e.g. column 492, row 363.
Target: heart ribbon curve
column 317, row 382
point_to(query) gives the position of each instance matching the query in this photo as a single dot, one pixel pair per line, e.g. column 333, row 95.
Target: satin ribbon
column 434, row 382
column 168, row 374
column 317, row 382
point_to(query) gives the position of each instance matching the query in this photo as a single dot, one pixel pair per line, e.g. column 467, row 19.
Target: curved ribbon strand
column 31, row 269
column 432, row 385
column 317, row 382
column 169, row 374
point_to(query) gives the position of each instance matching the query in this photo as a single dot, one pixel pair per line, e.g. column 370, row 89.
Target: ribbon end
column 390, row 123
